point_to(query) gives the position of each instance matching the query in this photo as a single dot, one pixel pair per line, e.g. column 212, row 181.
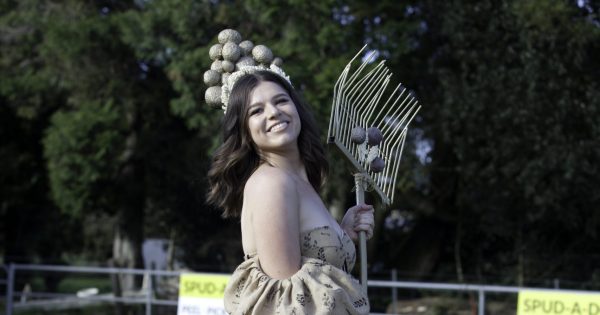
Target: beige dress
column 323, row 284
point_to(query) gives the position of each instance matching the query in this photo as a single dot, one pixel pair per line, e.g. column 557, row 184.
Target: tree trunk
column 116, row 287
column 128, row 234
column 126, row 254
column 520, row 254
column 457, row 245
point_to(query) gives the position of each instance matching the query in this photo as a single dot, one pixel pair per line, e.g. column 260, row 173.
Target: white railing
column 146, row 294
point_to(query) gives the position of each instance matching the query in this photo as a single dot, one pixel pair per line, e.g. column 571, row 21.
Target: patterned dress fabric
column 323, row 284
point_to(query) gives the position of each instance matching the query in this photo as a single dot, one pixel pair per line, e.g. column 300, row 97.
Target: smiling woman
column 267, row 173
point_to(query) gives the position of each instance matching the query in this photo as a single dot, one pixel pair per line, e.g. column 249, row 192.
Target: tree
column 511, row 108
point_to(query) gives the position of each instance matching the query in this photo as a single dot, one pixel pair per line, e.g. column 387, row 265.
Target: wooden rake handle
column 361, row 183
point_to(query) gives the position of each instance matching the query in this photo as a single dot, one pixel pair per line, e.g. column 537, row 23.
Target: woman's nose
column 272, row 111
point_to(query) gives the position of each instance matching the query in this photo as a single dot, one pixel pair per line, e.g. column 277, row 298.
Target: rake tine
column 382, row 178
column 376, row 99
column 379, row 83
column 408, row 117
column 389, row 99
column 405, row 111
column 397, row 164
column 385, row 105
column 402, row 107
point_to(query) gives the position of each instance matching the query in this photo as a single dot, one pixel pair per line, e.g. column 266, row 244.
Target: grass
column 73, row 284
column 69, row 284
column 95, row 310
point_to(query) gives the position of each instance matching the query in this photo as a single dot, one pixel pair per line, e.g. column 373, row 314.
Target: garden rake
column 370, row 134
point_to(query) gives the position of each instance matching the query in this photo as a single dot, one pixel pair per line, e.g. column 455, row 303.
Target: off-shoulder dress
column 323, row 285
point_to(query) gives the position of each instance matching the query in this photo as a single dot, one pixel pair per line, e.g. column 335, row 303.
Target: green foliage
column 174, row 37
column 28, row 95
column 82, row 148
column 25, row 85
column 513, row 122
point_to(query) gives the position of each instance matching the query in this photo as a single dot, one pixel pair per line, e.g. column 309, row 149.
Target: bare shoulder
column 271, row 192
column 271, row 181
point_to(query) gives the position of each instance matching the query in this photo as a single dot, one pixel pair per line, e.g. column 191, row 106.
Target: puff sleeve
column 317, row 288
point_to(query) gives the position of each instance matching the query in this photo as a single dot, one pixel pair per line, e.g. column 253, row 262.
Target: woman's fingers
column 364, row 221
column 366, row 207
column 360, row 208
column 364, row 218
column 368, row 229
column 363, row 227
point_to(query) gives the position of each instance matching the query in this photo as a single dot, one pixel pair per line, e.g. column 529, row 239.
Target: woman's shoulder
column 270, row 191
column 270, row 179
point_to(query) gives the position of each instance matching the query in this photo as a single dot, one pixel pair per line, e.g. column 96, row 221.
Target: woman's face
column 273, row 120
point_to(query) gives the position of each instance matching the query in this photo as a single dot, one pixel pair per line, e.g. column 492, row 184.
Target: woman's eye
column 281, row 100
column 255, row 111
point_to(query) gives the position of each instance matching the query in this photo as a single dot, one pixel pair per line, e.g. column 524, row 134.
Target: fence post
column 10, row 285
column 481, row 305
column 149, row 291
column 394, row 292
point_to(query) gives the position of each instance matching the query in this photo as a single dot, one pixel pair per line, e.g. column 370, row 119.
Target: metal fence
column 3, row 277
column 143, row 296
column 146, row 295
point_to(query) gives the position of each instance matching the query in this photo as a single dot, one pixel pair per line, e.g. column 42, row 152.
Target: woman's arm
column 271, row 198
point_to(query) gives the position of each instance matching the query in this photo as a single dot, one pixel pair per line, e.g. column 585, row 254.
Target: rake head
column 368, row 128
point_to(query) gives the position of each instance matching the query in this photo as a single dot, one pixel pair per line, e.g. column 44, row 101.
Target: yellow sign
column 203, row 285
column 558, row 303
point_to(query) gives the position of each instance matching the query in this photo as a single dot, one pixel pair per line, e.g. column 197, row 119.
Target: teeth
column 279, row 126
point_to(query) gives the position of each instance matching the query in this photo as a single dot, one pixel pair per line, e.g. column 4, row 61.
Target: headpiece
column 232, row 59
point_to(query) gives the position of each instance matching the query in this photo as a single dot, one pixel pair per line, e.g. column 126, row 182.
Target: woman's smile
column 278, row 126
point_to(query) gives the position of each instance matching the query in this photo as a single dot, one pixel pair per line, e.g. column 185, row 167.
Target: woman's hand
column 359, row 218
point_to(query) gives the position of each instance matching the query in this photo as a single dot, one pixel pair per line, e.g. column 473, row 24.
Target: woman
column 267, row 172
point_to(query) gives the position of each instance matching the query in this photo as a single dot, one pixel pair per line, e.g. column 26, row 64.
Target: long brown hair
column 237, row 158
